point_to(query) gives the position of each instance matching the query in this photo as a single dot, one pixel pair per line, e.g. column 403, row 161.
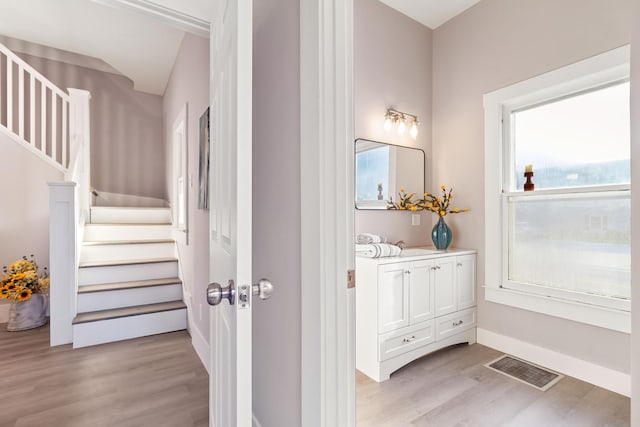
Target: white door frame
column 326, row 122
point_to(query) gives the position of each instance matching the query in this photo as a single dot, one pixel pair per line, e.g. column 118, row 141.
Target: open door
column 231, row 291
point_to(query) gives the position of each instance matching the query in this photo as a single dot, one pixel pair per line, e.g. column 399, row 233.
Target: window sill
column 617, row 320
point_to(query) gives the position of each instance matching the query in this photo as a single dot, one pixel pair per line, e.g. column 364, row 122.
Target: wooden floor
column 159, row 381
column 153, row 381
column 453, row 388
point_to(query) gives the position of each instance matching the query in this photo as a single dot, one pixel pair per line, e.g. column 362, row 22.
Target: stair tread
column 126, row 224
column 124, row 208
column 125, row 262
column 116, row 313
column 117, row 286
column 126, row 242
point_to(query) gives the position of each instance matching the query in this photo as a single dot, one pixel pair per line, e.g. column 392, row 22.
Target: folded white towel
column 377, row 250
column 366, row 238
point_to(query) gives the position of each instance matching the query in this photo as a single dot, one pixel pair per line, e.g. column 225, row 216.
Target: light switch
column 415, row 219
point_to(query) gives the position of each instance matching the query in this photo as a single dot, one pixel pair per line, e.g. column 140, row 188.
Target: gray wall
column 392, row 68
column 635, row 214
column 276, row 212
column 24, row 204
column 127, row 154
column 494, row 44
column 189, row 84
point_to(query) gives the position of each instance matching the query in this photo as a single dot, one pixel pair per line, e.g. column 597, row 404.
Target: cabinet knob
column 407, row 272
column 459, row 264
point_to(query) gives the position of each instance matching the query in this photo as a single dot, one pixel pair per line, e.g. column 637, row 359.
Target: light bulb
column 401, row 126
column 414, row 130
column 387, row 123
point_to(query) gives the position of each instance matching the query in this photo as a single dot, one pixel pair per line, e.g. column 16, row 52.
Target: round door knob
column 263, row 289
column 215, row 293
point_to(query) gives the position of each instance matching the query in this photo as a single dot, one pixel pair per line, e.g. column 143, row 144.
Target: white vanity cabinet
column 409, row 306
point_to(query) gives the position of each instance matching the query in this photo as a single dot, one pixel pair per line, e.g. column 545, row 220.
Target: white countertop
column 415, row 253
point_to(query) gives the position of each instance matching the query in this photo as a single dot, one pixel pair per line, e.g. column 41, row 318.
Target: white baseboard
column 4, row 313
column 201, row 346
column 607, row 378
column 256, row 423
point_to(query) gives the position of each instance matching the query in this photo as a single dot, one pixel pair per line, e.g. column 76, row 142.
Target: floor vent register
column 535, row 376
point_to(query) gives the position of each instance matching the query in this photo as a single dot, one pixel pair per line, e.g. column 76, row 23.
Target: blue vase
column 441, row 235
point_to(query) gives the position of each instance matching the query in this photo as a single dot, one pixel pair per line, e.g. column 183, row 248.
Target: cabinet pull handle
column 407, row 272
column 408, row 340
column 433, row 268
column 458, row 323
column 437, row 267
column 459, row 264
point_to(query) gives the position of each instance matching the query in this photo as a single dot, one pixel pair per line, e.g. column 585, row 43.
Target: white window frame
column 601, row 70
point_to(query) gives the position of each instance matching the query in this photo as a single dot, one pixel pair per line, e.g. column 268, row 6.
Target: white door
column 230, row 214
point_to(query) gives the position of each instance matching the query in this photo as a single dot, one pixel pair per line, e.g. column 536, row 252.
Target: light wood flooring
column 453, row 388
column 153, row 381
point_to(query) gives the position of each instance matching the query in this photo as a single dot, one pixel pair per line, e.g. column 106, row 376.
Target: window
column 564, row 248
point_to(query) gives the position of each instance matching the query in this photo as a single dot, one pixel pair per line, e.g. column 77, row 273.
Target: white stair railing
column 54, row 126
column 33, row 111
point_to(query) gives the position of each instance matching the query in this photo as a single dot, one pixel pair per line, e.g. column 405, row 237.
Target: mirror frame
column 369, row 204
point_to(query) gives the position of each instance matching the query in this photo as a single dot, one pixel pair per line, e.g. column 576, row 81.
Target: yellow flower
column 4, row 293
column 24, row 294
column 18, row 277
column 442, row 187
column 426, row 194
column 456, row 210
column 413, row 208
column 402, row 190
column 44, row 284
column 442, row 213
column 465, row 210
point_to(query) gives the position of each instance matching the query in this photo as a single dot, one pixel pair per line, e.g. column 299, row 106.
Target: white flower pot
column 28, row 314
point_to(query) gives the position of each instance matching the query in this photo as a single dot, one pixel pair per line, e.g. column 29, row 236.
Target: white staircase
column 128, row 284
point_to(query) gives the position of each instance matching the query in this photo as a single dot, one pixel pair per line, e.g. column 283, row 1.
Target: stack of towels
column 374, row 246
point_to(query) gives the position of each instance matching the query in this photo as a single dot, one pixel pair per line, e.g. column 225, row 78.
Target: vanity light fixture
column 401, row 121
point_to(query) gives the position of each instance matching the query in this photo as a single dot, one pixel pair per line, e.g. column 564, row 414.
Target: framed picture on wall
column 203, row 171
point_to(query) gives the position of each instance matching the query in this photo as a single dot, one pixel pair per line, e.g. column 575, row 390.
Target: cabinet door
column 393, row 297
column 466, row 281
column 445, row 285
column 420, row 292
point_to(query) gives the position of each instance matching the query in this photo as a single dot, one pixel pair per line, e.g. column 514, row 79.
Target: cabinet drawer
column 405, row 339
column 456, row 322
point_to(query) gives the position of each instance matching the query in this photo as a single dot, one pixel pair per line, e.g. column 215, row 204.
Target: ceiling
column 142, row 47
column 140, row 44
column 431, row 13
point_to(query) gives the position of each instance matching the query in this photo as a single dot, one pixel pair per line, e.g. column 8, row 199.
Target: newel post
column 80, row 137
column 62, row 261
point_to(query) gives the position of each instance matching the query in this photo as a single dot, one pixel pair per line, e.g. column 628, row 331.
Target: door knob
column 263, row 289
column 216, row 293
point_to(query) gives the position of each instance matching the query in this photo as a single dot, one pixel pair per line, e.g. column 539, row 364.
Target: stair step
column 125, row 242
column 109, row 232
column 129, row 251
column 104, row 287
column 119, row 215
column 96, row 316
column 96, row 273
column 125, row 323
column 110, row 296
column 113, row 263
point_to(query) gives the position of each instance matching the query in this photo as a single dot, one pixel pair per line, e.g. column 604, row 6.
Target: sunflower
column 4, row 293
column 24, row 294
